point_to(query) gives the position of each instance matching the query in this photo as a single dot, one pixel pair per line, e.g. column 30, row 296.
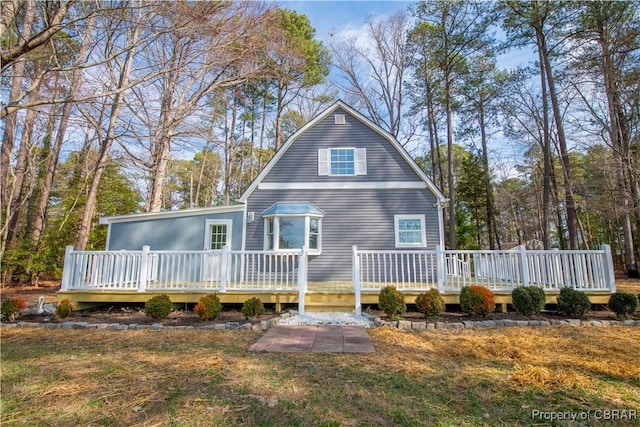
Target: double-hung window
column 410, row 231
column 342, row 161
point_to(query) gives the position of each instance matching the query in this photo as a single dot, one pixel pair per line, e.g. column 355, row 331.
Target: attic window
column 342, row 161
column 339, row 119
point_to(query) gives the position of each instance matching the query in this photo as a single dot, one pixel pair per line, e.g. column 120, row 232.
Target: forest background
column 115, row 107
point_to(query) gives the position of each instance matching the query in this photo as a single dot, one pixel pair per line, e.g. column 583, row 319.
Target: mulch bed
column 133, row 314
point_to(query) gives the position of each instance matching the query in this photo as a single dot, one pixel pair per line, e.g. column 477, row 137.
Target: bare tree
column 612, row 52
column 54, row 154
column 201, row 51
column 537, row 22
column 120, row 72
column 55, row 20
column 10, row 124
column 373, row 67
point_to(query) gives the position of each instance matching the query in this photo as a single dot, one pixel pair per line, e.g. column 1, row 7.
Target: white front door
column 217, row 235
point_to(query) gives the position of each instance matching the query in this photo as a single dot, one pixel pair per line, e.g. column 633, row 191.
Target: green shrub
column 573, row 303
column 64, row 308
column 208, row 307
column 252, row 307
column 158, row 307
column 528, row 301
column 430, row 303
column 623, row 304
column 11, row 307
column 477, row 300
column 391, row 302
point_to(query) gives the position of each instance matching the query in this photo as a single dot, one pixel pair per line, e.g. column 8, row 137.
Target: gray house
column 337, row 182
column 347, row 193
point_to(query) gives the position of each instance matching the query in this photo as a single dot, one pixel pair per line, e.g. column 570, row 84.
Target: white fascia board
column 378, row 185
column 170, row 214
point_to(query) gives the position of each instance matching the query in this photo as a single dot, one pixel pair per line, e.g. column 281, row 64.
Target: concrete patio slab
column 314, row 339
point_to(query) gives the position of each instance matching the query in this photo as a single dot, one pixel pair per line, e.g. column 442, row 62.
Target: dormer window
column 292, row 226
column 342, row 161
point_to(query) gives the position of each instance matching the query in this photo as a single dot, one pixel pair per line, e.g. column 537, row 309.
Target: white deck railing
column 268, row 271
column 148, row 270
column 450, row 270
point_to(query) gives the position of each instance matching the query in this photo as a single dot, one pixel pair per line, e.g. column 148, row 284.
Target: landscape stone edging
column 262, row 326
column 377, row 322
column 484, row 324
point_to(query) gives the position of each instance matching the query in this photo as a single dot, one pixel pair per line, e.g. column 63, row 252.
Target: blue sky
column 336, row 16
column 330, row 16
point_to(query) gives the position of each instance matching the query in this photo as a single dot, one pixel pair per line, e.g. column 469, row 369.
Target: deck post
column 356, row 280
column 68, row 267
column 524, row 266
column 144, row 269
column 607, row 263
column 302, row 279
column 224, row 268
column 441, row 268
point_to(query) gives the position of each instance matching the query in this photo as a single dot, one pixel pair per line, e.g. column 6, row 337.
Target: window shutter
column 323, row 162
column 361, row 161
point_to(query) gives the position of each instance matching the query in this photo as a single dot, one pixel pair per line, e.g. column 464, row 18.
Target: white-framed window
column 342, row 161
column 410, row 231
column 217, row 234
column 293, row 232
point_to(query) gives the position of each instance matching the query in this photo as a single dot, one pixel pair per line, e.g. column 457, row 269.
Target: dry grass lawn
column 208, row 378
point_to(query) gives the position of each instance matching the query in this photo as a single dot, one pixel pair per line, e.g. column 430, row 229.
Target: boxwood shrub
column 573, row 303
column 208, row 307
column 253, row 307
column 528, row 301
column 11, row 307
column 430, row 303
column 64, row 308
column 623, row 304
column 158, row 307
column 391, row 301
column 477, row 300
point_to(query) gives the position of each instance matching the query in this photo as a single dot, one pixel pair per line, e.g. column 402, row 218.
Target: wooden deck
column 324, row 296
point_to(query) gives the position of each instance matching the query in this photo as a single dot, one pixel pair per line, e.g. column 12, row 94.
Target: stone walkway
column 315, row 339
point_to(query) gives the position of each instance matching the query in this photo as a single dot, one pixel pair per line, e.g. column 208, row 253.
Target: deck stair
column 320, row 302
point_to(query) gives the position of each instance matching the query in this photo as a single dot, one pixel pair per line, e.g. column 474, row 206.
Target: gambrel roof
column 386, row 135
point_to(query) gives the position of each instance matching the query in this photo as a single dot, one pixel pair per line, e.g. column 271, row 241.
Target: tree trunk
column 546, row 155
column 10, row 123
column 232, row 150
column 17, row 197
column 450, row 178
column 262, row 130
column 278, row 124
column 555, row 194
column 52, row 163
column 489, row 203
column 570, row 206
column 617, row 142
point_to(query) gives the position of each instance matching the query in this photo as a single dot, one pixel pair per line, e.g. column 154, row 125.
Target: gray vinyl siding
column 352, row 217
column 300, row 162
column 171, row 233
